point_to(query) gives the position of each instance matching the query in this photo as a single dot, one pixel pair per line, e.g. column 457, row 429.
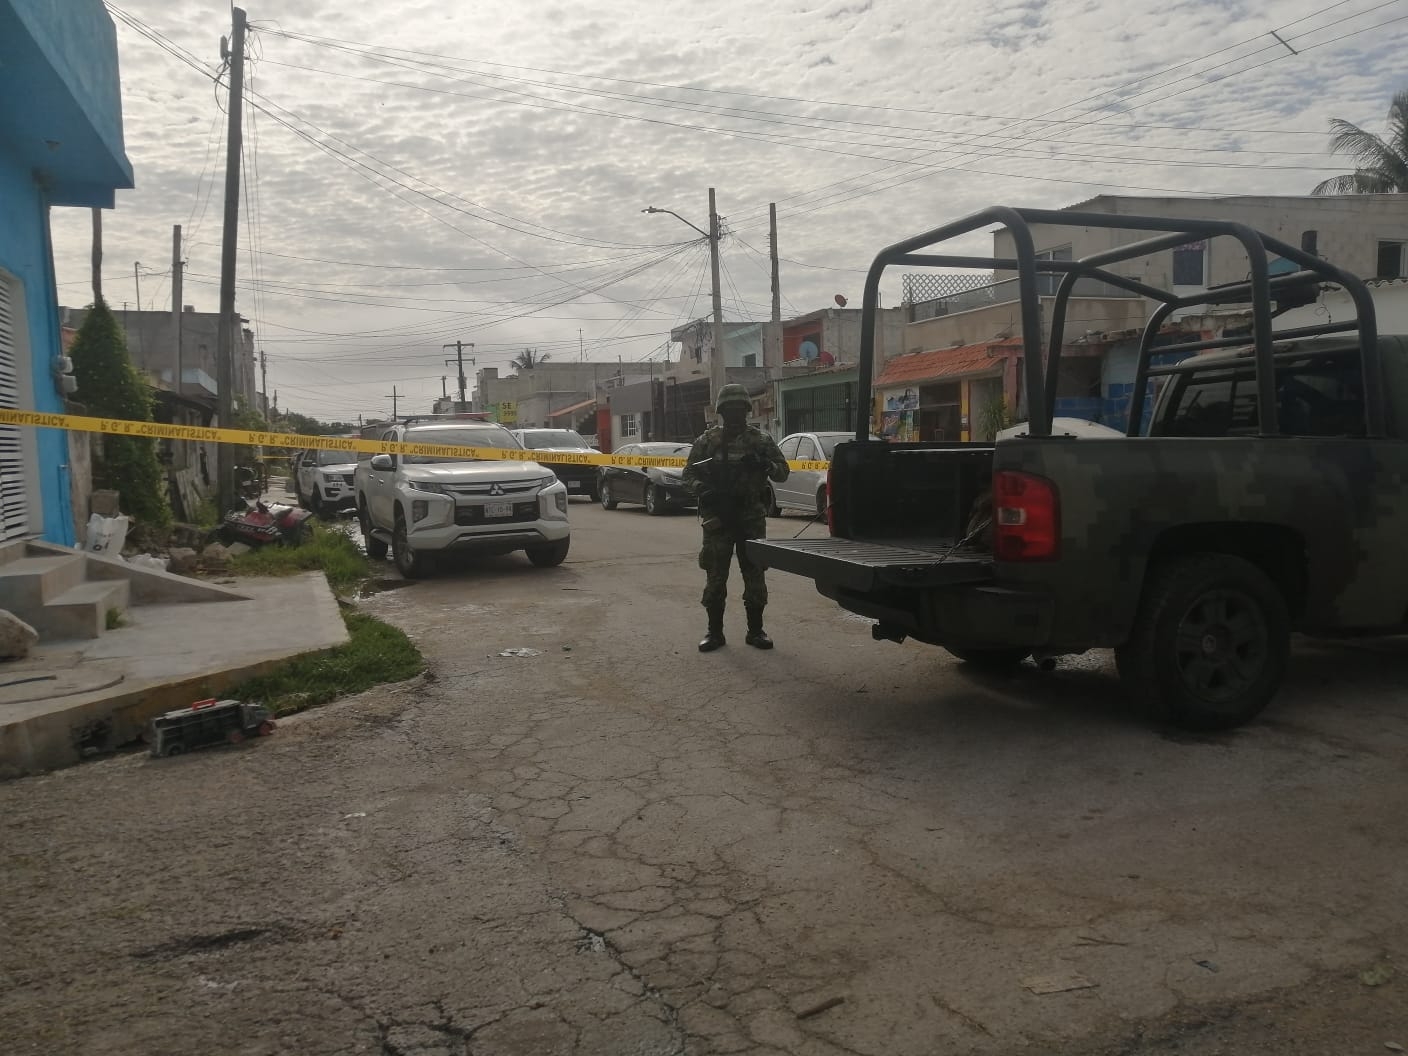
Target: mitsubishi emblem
column 496, row 489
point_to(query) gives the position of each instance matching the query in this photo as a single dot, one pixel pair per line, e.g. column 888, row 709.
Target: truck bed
column 865, row 565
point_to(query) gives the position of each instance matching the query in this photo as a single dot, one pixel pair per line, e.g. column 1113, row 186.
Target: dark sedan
column 658, row 490
column 579, row 478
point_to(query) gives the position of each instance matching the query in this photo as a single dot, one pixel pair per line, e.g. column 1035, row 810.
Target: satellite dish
column 841, row 300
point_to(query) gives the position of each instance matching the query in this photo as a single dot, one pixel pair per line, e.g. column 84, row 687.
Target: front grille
column 503, row 487
column 471, row 515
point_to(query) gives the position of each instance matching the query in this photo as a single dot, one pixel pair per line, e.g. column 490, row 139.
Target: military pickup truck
column 1268, row 494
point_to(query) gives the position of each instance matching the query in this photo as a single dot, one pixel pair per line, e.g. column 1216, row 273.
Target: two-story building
column 967, row 338
column 815, row 385
column 60, row 145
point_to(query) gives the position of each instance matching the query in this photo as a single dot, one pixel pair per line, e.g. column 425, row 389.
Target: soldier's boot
column 757, row 637
column 714, row 637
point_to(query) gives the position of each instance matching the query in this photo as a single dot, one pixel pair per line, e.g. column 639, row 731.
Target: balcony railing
column 1005, row 292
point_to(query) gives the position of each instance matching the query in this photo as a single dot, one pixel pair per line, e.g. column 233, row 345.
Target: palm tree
column 530, row 358
column 1381, row 162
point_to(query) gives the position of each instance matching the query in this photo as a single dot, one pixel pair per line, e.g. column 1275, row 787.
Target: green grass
column 114, row 619
column 376, row 653
column 331, row 551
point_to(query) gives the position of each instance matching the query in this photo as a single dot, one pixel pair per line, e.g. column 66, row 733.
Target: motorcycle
column 261, row 523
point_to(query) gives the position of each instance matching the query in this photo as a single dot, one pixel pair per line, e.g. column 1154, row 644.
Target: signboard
column 507, row 413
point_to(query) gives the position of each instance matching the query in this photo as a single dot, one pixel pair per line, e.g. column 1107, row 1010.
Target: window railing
column 1005, row 292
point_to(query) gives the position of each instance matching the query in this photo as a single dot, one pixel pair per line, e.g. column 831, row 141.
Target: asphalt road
column 618, row 845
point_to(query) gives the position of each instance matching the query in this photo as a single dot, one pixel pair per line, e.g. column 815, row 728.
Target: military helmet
column 732, row 394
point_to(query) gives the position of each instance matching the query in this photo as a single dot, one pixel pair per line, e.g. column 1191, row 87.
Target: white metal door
column 14, row 505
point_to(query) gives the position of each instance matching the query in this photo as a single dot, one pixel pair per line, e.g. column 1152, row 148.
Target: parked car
column 325, row 481
column 424, row 505
column 579, row 477
column 805, row 489
column 658, row 489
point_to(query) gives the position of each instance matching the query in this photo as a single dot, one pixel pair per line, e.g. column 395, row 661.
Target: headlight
column 425, row 485
column 561, row 498
column 548, row 481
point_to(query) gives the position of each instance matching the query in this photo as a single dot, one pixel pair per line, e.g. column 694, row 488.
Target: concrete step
column 28, row 583
column 80, row 611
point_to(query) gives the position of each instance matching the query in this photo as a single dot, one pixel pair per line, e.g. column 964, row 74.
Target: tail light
column 830, row 510
column 1026, row 517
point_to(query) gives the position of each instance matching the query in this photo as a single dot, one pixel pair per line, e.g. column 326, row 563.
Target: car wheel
column 821, row 503
column 608, row 501
column 990, row 659
column 774, row 508
column 654, row 501
column 376, row 548
column 409, row 563
column 551, row 554
column 1210, row 645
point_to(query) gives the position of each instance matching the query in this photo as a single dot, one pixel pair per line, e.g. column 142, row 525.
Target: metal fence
column 933, row 285
column 1005, row 292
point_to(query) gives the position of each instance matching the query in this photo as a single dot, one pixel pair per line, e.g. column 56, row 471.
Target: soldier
column 728, row 471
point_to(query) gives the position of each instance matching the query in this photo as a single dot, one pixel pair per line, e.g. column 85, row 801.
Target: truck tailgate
column 861, row 565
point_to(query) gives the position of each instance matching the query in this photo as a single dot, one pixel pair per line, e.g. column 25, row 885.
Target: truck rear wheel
column 990, row 659
column 1211, row 643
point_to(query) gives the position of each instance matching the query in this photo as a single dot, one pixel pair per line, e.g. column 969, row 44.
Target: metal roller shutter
column 14, row 507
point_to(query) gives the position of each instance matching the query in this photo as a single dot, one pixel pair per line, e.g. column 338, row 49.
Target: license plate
column 498, row 509
column 574, row 485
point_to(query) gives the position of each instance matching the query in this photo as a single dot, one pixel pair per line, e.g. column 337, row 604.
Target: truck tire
column 549, row 554
column 1210, row 645
column 409, row 562
column 990, row 659
column 376, row 548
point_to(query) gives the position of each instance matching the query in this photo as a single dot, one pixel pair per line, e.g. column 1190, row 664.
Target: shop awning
column 917, row 367
column 575, row 407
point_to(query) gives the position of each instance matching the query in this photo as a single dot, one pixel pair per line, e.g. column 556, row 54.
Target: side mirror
column 383, row 463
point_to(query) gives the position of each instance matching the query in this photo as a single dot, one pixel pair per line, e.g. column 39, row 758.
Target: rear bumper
column 921, row 590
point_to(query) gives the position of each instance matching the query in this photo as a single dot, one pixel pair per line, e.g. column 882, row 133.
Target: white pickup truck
column 419, row 506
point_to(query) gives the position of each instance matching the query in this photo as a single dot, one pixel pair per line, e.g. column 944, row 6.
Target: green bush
column 111, row 387
column 329, row 550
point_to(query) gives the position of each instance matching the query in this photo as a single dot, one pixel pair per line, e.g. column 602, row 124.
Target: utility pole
column 772, row 252
column 458, row 346
column 264, row 376
column 444, row 392
column 137, row 281
column 394, row 398
column 229, row 245
column 718, row 377
column 176, row 307
column 581, row 347
column 97, row 255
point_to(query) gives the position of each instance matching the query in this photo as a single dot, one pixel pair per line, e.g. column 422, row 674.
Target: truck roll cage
column 1040, row 373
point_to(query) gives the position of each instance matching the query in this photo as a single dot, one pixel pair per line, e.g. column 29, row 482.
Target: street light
column 717, row 374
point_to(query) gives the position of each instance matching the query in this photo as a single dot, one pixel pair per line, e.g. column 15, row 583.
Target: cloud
column 865, row 120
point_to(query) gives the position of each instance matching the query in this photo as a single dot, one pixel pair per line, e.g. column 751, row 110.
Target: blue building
column 60, row 145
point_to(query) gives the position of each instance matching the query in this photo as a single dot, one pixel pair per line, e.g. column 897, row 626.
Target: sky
column 421, row 173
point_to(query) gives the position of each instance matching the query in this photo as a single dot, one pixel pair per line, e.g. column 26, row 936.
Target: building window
column 1391, row 262
column 1190, row 264
column 750, row 360
column 1046, row 283
column 629, row 426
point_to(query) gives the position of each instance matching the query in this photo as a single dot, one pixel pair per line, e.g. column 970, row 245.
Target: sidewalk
column 72, row 699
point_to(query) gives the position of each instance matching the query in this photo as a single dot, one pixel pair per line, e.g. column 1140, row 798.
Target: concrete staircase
column 53, row 594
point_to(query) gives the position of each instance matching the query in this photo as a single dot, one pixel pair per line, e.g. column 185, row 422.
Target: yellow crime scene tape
column 79, row 423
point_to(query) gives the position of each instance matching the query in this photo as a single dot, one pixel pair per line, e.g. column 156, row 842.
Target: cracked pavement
column 622, row 846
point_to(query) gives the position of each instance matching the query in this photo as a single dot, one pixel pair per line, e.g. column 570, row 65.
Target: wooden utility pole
column 458, row 346
column 395, row 400
column 229, row 245
column 176, row 306
column 137, row 281
column 97, row 255
column 718, row 378
column 772, row 252
column 264, row 377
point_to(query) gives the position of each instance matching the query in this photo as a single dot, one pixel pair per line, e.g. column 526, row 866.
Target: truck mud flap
column 860, row 566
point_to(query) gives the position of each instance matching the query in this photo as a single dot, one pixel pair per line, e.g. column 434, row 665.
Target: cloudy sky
column 418, row 173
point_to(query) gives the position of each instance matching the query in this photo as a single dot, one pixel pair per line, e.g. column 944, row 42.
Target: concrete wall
column 1104, row 314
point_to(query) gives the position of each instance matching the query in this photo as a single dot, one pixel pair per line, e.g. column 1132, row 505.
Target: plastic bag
column 106, row 535
column 148, row 561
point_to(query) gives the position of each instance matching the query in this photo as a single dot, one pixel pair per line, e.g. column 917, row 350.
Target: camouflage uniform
column 728, row 475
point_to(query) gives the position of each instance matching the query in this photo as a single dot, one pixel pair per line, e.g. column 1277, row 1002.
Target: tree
column 1381, row 162
column 530, row 358
column 111, row 387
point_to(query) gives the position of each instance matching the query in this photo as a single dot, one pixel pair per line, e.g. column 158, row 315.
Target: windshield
column 542, row 439
column 660, row 450
column 458, row 437
column 336, row 458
